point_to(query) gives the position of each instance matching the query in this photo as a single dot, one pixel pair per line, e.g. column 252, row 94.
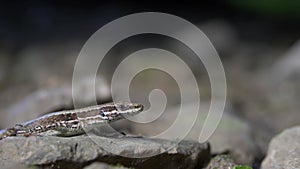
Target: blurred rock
column 77, row 152
column 222, row 35
column 288, row 65
column 4, row 64
column 284, row 150
column 265, row 90
column 36, row 63
column 262, row 136
column 234, row 135
column 56, row 98
column 37, row 80
column 279, row 86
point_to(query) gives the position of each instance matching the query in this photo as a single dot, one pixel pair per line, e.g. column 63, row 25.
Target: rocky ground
column 259, row 128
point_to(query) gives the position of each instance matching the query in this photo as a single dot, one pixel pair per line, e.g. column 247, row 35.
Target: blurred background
column 257, row 41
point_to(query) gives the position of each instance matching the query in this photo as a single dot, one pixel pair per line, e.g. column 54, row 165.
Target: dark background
column 26, row 22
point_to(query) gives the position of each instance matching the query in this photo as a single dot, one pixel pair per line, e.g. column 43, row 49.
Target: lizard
column 73, row 122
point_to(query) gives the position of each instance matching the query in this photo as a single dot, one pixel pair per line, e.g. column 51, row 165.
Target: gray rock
column 16, row 165
column 77, row 152
column 235, row 136
column 284, row 150
column 49, row 99
column 287, row 65
column 221, row 34
column 221, row 162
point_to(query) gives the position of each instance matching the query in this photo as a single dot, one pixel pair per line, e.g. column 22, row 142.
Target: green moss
column 241, row 167
column 280, row 8
column 118, row 165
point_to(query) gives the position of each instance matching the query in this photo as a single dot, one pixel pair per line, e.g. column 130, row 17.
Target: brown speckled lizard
column 73, row 122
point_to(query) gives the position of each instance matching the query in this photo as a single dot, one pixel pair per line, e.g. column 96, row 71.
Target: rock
column 50, row 99
column 278, row 86
column 235, row 136
column 287, row 65
column 232, row 134
column 14, row 166
column 78, row 152
column 284, row 150
column 221, row 162
column 222, row 35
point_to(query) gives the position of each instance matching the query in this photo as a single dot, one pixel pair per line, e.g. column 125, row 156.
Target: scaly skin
column 73, row 122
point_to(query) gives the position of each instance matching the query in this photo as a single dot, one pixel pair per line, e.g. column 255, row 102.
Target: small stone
column 221, row 162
